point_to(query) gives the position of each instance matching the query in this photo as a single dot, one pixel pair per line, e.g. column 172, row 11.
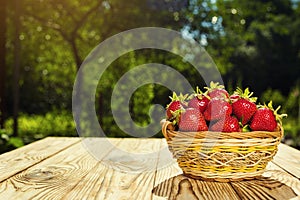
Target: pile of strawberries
column 217, row 110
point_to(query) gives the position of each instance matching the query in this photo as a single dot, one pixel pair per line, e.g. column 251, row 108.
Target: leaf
column 4, row 136
column 16, row 142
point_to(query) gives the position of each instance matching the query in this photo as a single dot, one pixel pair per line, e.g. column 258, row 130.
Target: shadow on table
column 182, row 187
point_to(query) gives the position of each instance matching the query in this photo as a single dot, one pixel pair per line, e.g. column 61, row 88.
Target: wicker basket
column 222, row 157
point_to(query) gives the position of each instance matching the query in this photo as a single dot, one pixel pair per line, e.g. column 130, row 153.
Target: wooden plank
column 263, row 188
column 127, row 172
column 22, row 158
column 277, row 173
column 54, row 177
column 171, row 184
column 166, row 168
column 181, row 187
column 275, row 184
column 289, row 159
column 130, row 169
column 272, row 166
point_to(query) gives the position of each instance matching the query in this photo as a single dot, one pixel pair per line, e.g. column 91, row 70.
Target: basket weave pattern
column 221, row 156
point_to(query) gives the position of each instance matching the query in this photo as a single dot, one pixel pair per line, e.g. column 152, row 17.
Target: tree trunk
column 2, row 61
column 17, row 63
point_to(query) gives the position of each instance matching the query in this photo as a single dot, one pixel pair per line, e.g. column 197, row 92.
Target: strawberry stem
column 275, row 112
column 182, row 98
column 246, row 94
column 214, row 85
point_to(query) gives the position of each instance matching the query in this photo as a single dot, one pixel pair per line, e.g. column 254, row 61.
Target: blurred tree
column 253, row 42
column 17, row 63
column 57, row 35
column 268, row 53
column 2, row 61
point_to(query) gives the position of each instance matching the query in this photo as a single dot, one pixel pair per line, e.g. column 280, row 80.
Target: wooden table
column 63, row 168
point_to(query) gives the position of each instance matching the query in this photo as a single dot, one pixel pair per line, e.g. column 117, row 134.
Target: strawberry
column 176, row 105
column 244, row 107
column 266, row 118
column 217, row 91
column 234, row 97
column 230, row 124
column 173, row 107
column 199, row 101
column 192, row 120
column 217, row 109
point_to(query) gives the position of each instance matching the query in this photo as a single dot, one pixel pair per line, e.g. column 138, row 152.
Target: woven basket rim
column 169, row 132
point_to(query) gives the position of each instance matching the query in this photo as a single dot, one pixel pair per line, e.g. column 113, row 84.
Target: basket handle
column 165, row 126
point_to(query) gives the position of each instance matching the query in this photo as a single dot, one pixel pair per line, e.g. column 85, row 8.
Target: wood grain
column 287, row 179
column 289, row 159
column 276, row 185
column 181, row 187
column 52, row 178
column 277, row 173
column 166, row 168
column 61, row 168
column 263, row 188
column 20, row 159
column 127, row 172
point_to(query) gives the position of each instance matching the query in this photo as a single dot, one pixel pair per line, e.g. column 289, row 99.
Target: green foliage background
column 255, row 44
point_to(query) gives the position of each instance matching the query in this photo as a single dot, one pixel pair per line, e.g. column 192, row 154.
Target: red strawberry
column 199, row 101
column 192, row 120
column 217, row 109
column 230, row 124
column 172, row 108
column 234, row 97
column 265, row 118
column 244, row 107
column 217, row 91
column 176, row 105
